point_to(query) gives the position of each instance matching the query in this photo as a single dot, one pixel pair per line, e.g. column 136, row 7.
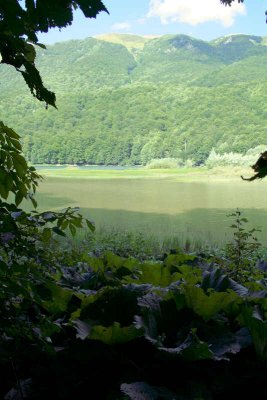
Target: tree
column 19, row 26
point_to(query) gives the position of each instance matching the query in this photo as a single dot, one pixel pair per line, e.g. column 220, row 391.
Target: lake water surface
column 161, row 207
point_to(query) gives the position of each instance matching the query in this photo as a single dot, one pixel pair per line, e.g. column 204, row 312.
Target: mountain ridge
column 120, row 104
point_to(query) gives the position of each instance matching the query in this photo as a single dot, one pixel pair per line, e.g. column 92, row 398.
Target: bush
column 234, row 159
column 164, row 163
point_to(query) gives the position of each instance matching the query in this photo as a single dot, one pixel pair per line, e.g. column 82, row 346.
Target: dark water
column 161, row 207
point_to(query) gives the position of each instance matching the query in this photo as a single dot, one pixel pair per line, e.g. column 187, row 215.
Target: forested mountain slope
column 129, row 99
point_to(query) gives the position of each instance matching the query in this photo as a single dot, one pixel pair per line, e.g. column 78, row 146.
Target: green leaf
column 220, row 282
column 205, row 305
column 113, row 261
column 18, row 198
column 18, row 167
column 72, row 230
column 114, row 334
column 3, row 175
column 91, row 9
column 58, row 231
column 90, row 225
column 33, row 79
column 157, row 274
column 76, row 220
column 60, row 299
column 40, row 45
column 8, row 131
column 34, row 202
column 46, row 234
column 29, row 52
column 9, row 182
column 227, row 343
column 21, row 160
column 191, row 349
column 16, row 143
column 254, row 320
column 3, row 191
column 64, row 224
column 151, row 316
column 179, row 259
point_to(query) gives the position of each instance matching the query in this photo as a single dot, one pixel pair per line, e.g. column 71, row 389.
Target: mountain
column 129, row 99
column 131, row 42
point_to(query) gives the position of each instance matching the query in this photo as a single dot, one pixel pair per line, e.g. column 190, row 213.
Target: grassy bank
column 179, row 174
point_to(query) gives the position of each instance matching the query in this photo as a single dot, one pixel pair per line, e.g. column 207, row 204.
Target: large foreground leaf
column 207, row 305
column 111, row 335
column 192, row 348
column 254, row 319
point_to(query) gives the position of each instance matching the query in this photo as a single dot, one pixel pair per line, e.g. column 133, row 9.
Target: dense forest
column 125, row 99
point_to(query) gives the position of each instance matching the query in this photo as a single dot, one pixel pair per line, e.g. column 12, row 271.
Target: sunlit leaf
column 114, row 334
column 207, row 305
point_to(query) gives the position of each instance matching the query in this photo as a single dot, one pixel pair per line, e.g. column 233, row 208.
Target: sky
column 202, row 19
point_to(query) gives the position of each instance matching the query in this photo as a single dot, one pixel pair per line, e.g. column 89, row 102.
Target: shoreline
column 193, row 174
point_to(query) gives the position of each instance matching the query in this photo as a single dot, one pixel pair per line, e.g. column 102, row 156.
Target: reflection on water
column 160, row 206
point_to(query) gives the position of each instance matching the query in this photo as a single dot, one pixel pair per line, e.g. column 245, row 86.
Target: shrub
column 164, row 163
column 234, row 159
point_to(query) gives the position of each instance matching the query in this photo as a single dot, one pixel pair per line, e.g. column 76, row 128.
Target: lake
column 162, row 207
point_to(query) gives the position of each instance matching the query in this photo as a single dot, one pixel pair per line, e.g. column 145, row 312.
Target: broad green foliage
column 110, row 335
column 207, row 305
column 110, row 306
column 119, row 317
column 16, row 176
column 255, row 320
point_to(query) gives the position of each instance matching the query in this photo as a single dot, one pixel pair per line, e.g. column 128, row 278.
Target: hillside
column 129, row 99
column 131, row 42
